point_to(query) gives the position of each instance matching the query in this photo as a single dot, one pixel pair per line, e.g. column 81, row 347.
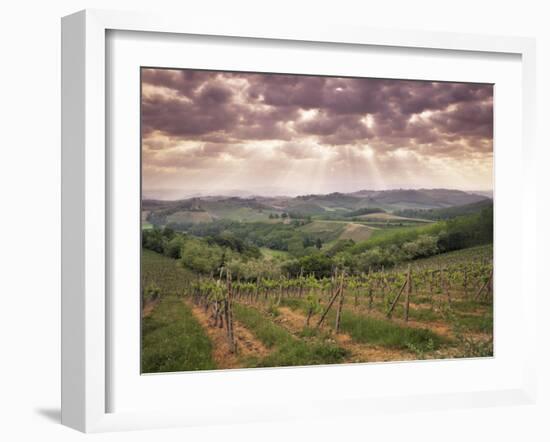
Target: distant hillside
column 422, row 198
column 402, row 202
column 447, row 212
column 387, row 200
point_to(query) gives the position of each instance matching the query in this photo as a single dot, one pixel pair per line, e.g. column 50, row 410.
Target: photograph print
column 300, row 220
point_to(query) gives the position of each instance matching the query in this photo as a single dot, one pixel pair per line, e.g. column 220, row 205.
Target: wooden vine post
column 229, row 314
column 488, row 286
column 257, row 291
column 340, row 303
column 394, row 302
column 408, row 292
column 301, row 283
column 280, row 292
column 333, row 297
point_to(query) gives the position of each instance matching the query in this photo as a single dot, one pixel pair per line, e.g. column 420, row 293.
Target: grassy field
column 189, row 216
column 384, row 216
column 329, row 231
column 356, row 232
column 242, row 214
column 274, row 254
column 278, row 296
column 173, row 340
column 288, row 350
column 165, row 273
column 376, row 331
column 325, row 230
column 465, row 256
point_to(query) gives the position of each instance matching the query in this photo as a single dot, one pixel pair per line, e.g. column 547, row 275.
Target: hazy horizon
column 172, row 194
column 210, row 132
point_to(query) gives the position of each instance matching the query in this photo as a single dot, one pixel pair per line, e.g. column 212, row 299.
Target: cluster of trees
column 199, row 254
column 292, row 215
column 238, row 249
column 276, row 236
column 283, row 215
column 396, row 247
column 447, row 212
column 364, row 211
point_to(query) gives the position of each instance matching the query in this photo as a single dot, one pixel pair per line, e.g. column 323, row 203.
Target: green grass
column 266, row 331
column 325, row 230
column 243, row 214
column 381, row 332
column 468, row 306
column 277, row 254
column 477, row 324
column 189, row 216
column 164, row 272
column 173, row 340
column 463, row 256
column 416, row 314
column 302, row 353
column 398, row 235
column 287, row 350
column 387, row 333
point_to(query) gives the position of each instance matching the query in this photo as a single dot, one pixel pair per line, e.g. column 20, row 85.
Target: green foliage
column 165, row 273
column 266, row 331
column 273, row 310
column 154, row 239
column 317, row 263
column 472, row 347
column 387, row 333
column 173, row 247
column 392, row 247
column 313, row 304
column 447, row 212
column 173, row 340
column 364, row 211
column 151, row 292
column 475, row 323
column 422, row 247
column 252, row 269
column 287, row 349
column 340, row 246
column 304, row 353
column 422, row 349
column 199, row 256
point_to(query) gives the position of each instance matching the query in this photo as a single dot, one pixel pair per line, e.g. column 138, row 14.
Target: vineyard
column 431, row 308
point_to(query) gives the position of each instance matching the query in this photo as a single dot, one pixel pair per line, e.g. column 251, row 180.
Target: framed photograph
column 264, row 223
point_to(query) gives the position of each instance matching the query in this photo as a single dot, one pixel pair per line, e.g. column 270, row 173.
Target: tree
column 173, row 248
column 318, row 243
column 197, row 255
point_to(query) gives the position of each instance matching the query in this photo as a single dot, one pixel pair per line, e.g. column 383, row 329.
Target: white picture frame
column 86, row 209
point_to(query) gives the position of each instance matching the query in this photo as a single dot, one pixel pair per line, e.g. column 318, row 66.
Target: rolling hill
column 407, row 203
column 447, row 212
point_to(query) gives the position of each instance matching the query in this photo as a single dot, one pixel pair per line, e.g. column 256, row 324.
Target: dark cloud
column 233, row 108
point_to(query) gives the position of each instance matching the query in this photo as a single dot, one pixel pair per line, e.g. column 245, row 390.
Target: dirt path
column 247, row 344
column 148, row 308
column 295, row 321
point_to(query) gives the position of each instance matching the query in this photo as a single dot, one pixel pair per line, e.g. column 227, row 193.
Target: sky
column 232, row 133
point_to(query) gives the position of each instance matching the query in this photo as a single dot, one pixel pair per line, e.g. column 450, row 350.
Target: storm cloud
column 215, row 120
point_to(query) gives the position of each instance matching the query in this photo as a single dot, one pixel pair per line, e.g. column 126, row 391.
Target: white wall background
column 30, row 214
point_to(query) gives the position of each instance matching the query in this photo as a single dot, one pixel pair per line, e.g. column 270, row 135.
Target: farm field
column 228, row 294
column 440, row 308
column 296, row 220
